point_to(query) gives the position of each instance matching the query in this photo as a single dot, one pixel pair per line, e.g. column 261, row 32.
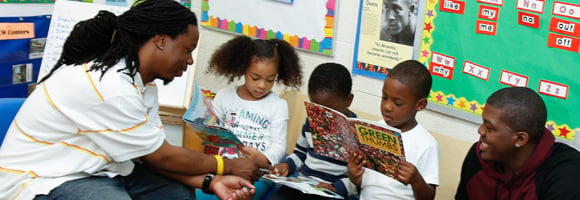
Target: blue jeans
column 140, row 184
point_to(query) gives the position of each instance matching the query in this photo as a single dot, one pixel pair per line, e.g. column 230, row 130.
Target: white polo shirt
column 78, row 124
column 421, row 150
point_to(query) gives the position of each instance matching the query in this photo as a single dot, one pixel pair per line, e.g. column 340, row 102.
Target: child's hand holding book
column 280, row 169
column 355, row 168
column 408, row 173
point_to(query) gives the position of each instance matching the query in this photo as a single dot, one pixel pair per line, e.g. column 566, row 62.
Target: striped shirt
column 78, row 124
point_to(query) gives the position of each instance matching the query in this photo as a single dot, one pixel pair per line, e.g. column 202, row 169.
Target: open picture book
column 201, row 117
column 336, row 136
column 306, row 186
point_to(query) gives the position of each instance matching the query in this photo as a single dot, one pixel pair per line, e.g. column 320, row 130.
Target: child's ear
column 349, row 99
column 421, row 104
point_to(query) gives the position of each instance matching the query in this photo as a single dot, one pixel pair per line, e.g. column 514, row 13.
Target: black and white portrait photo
column 398, row 18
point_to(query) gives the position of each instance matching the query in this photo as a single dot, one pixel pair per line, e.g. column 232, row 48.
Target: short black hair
column 331, row 77
column 415, row 75
column 523, row 110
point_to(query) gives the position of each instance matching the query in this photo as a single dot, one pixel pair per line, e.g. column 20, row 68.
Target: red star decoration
column 564, row 132
column 428, row 27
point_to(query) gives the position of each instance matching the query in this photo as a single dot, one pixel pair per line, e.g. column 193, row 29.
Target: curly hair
column 331, row 77
column 234, row 57
column 113, row 38
column 415, row 75
column 523, row 110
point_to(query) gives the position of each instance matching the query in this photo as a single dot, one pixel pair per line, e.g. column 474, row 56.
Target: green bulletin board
column 475, row 47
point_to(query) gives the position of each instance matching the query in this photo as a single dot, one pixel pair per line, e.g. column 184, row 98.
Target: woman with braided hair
column 91, row 129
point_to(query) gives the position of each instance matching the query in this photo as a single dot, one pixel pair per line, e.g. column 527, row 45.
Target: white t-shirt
column 76, row 125
column 421, row 150
column 261, row 124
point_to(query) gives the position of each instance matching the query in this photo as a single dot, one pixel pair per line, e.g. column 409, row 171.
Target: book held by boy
column 336, row 136
column 200, row 116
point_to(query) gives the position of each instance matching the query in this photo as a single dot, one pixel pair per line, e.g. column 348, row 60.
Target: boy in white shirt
column 405, row 92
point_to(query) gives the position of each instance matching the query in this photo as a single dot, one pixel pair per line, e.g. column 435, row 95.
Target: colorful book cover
column 200, row 116
column 336, row 136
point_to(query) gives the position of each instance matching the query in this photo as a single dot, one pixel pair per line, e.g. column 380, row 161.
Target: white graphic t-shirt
column 260, row 124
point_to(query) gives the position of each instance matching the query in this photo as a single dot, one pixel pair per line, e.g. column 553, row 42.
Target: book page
column 204, row 122
column 200, row 108
column 332, row 134
column 306, row 186
column 381, row 145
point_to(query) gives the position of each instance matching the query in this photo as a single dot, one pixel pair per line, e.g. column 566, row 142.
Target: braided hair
column 106, row 38
column 235, row 56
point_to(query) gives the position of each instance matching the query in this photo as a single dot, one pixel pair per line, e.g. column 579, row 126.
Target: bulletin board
column 22, row 41
column 305, row 24
column 473, row 48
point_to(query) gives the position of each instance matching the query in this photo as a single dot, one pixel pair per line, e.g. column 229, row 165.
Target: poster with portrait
column 385, row 35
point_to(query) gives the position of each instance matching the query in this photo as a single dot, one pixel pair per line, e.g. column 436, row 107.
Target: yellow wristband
column 220, row 165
